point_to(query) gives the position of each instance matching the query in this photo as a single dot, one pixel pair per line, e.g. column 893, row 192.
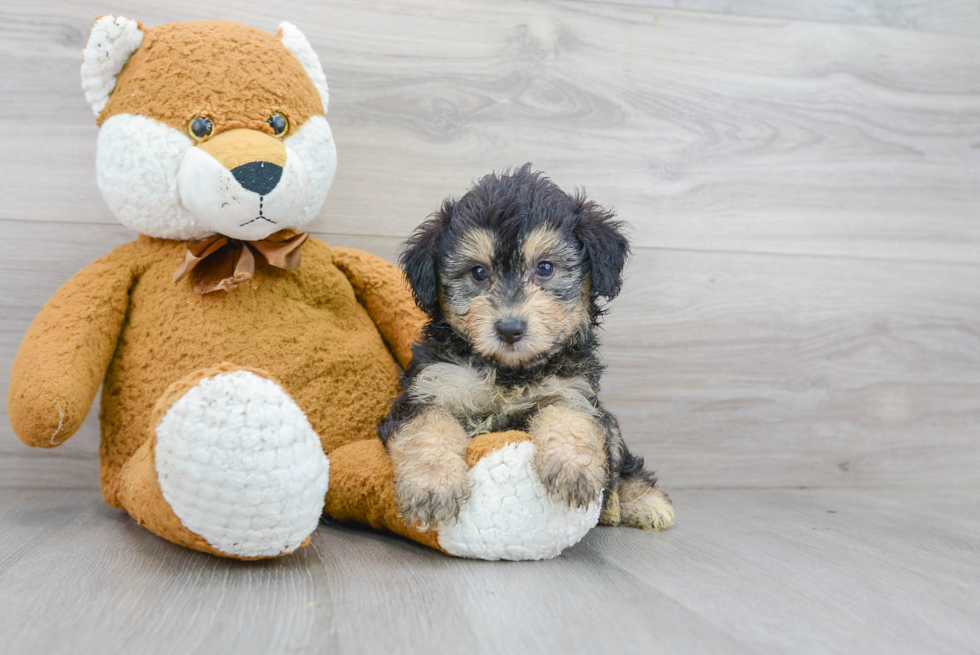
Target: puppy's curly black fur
column 514, row 277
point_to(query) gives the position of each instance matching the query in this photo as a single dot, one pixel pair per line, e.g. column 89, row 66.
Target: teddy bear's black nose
column 260, row 177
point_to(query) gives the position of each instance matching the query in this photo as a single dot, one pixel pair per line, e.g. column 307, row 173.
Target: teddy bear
column 244, row 364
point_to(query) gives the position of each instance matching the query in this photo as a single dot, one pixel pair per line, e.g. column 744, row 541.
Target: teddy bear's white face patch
column 137, row 160
column 314, row 144
column 156, row 181
column 251, row 201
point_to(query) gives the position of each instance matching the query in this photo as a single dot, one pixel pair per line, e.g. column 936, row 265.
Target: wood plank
column 949, row 16
column 759, row 370
column 825, row 571
column 821, row 572
column 111, row 583
column 706, row 131
column 726, row 369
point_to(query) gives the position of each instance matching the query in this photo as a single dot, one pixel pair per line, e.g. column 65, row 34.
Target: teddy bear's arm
column 385, row 293
column 65, row 353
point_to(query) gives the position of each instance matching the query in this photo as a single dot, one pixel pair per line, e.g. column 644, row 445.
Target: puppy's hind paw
column 644, row 506
column 434, row 501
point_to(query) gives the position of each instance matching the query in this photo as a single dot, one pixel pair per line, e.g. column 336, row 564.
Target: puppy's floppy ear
column 604, row 246
column 419, row 259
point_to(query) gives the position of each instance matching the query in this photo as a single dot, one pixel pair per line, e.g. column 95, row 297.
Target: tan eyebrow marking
column 477, row 246
column 544, row 240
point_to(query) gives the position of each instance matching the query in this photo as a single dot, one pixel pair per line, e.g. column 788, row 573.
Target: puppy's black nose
column 511, row 329
column 260, row 177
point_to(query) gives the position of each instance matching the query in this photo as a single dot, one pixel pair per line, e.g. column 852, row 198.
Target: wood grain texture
column 725, row 370
column 802, row 309
column 707, row 131
column 950, row 16
column 742, row 571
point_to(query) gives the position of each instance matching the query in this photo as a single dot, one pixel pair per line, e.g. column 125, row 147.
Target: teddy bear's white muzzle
column 250, row 201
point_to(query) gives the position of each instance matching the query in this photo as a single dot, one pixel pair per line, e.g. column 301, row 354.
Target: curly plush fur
column 513, row 277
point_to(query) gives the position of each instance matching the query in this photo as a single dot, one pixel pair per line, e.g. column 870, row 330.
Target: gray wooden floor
column 796, row 350
column 779, row 571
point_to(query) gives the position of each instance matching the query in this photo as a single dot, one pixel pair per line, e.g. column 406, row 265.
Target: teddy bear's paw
column 510, row 515
column 240, row 466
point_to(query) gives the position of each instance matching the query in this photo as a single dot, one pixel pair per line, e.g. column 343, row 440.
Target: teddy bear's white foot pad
column 509, row 514
column 239, row 465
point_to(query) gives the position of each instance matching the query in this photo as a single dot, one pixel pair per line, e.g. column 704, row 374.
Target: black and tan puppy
column 512, row 275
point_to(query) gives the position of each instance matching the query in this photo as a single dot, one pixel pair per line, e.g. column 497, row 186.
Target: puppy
column 512, row 276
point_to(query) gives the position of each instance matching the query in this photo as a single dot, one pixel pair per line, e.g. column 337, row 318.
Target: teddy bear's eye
column 200, row 127
column 279, row 124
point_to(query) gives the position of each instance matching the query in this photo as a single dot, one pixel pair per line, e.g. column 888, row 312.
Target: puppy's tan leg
column 637, row 503
column 571, row 458
column 611, row 511
column 429, row 467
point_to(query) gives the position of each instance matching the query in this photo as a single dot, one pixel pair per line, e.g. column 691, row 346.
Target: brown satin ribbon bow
column 220, row 263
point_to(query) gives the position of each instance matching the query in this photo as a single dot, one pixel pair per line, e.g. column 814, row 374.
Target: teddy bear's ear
column 111, row 43
column 296, row 43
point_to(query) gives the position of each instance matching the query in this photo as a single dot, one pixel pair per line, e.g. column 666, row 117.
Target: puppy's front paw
column 434, row 497
column 573, row 478
column 571, row 459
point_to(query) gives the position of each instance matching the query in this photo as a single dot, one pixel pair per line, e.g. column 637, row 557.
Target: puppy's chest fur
column 482, row 404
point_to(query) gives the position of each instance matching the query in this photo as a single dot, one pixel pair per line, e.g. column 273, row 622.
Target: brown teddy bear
column 234, row 351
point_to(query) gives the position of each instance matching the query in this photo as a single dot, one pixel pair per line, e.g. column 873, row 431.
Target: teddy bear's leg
column 509, row 514
column 231, row 467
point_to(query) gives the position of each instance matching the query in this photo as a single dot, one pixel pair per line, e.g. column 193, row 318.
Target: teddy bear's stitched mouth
column 259, row 217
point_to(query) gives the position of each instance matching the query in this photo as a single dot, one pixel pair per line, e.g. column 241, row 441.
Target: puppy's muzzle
column 511, row 329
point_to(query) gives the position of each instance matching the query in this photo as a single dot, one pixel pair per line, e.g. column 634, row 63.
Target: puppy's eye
column 545, row 270
column 278, row 123
column 200, row 127
column 479, row 274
